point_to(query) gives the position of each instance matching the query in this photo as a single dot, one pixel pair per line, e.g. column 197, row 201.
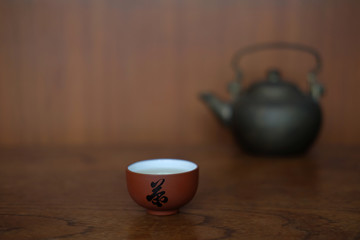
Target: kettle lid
column 274, row 87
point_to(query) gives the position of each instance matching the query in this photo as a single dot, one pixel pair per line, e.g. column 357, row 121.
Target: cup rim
column 187, row 166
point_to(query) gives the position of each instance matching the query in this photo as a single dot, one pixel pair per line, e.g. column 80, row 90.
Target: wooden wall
column 78, row 72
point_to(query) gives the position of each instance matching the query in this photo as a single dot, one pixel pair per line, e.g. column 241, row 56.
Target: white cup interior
column 162, row 166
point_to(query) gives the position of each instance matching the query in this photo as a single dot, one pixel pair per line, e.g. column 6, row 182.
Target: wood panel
column 81, row 193
column 110, row 72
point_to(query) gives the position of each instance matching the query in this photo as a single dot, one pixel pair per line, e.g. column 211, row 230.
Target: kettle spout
column 222, row 110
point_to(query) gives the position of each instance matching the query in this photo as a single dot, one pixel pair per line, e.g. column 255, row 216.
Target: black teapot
column 271, row 117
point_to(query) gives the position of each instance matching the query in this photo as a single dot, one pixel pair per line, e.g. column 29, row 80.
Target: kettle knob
column 274, row 76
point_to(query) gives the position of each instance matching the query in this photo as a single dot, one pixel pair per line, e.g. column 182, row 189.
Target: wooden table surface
column 80, row 193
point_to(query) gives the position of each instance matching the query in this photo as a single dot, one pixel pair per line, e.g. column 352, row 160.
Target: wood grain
column 80, row 193
column 76, row 72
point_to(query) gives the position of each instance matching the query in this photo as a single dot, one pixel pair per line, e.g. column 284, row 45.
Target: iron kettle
column 273, row 116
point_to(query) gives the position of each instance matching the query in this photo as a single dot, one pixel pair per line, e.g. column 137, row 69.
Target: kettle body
column 271, row 117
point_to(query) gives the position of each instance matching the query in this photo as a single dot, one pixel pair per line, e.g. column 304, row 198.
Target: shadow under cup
column 162, row 186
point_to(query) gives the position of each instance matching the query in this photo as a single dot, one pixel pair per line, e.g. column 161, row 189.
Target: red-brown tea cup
column 162, row 186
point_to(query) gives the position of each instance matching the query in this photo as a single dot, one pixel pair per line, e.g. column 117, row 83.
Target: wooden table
column 80, row 193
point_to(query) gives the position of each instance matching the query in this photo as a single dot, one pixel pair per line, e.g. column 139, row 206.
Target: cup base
column 162, row 213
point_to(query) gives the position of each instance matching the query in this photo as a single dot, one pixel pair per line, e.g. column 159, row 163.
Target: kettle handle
column 316, row 88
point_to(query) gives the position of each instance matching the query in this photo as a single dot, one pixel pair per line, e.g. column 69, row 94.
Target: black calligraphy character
column 157, row 197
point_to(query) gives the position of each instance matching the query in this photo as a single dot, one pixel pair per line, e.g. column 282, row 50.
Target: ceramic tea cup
column 162, row 186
